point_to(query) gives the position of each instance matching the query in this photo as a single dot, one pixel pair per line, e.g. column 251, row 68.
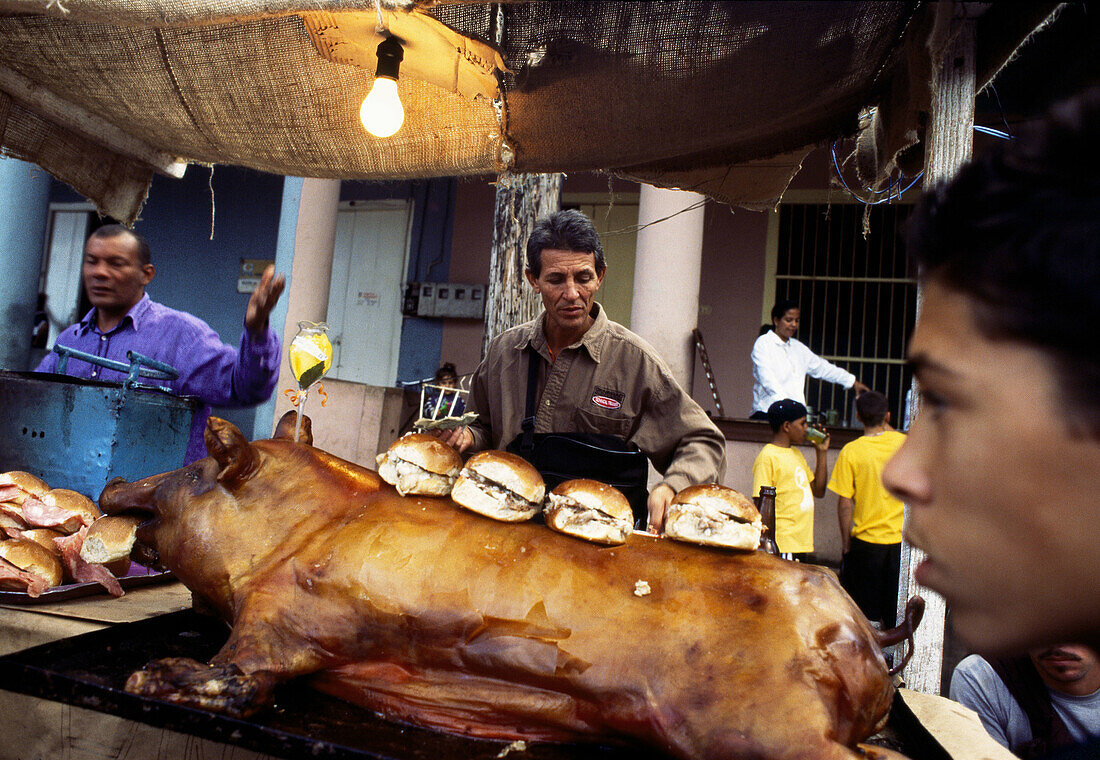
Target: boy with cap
column 870, row 518
column 783, row 467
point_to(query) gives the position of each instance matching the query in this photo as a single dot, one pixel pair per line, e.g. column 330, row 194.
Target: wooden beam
column 950, row 143
column 521, row 200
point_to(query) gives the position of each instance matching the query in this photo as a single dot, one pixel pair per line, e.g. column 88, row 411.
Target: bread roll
column 420, row 464
column 110, row 539
column 590, row 510
column 31, row 558
column 83, row 510
column 500, row 485
column 714, row 515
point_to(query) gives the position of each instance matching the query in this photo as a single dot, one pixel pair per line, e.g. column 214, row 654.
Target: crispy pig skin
column 436, row 616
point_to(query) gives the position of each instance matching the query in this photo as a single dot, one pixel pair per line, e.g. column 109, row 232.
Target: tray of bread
column 56, row 544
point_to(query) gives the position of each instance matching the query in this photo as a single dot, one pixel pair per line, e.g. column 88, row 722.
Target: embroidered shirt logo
column 607, row 399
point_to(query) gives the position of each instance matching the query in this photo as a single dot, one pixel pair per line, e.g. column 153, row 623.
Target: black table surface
column 90, row 670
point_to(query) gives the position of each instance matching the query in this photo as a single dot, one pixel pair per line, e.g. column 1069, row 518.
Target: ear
column 531, row 279
column 228, row 446
column 285, row 428
column 148, row 272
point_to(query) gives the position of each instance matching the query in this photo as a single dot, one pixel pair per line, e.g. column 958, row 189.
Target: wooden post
column 950, row 144
column 521, row 200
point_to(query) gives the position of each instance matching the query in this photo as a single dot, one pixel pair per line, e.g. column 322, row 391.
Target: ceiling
column 725, row 98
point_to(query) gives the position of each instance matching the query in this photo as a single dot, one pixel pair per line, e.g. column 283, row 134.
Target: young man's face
column 1003, row 496
column 567, row 284
column 796, row 430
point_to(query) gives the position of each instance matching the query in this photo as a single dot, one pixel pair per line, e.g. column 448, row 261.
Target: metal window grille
column 857, row 297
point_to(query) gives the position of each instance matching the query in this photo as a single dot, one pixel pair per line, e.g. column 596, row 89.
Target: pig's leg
column 220, row 688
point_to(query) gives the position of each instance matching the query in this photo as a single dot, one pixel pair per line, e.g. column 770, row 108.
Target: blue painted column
column 24, row 196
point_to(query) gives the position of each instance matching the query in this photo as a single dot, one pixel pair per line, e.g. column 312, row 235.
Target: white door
column 65, row 253
column 364, row 303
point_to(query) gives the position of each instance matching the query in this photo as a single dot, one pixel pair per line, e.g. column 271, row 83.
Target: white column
column 666, row 276
column 311, row 268
column 24, row 196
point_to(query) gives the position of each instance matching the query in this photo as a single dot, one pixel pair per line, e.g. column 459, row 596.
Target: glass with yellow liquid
column 310, row 358
column 310, row 353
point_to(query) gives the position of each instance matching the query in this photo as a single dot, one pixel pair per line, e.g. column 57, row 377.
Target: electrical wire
column 892, row 191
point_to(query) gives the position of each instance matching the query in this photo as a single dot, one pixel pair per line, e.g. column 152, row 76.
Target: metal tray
column 90, row 671
column 76, row 590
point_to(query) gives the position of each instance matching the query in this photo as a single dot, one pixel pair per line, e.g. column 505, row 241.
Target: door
column 617, row 227
column 364, row 306
column 61, row 270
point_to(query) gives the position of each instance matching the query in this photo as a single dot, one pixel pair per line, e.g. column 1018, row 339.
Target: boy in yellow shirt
column 870, row 518
column 782, row 466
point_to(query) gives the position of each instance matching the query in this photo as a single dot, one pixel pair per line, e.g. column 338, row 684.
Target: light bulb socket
column 390, row 54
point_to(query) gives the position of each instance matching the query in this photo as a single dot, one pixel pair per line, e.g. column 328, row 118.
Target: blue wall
column 197, row 274
column 429, row 260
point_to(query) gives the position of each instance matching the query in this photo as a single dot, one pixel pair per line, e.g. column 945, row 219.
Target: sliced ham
column 14, row 579
column 39, row 514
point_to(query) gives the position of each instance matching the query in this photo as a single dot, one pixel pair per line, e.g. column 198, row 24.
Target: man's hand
column 823, row 445
column 657, row 504
column 458, row 438
column 860, row 388
column 263, row 300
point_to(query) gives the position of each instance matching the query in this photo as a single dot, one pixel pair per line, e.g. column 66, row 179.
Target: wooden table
column 23, row 626
column 39, row 729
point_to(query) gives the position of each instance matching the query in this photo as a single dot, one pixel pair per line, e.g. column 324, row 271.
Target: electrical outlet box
column 445, row 299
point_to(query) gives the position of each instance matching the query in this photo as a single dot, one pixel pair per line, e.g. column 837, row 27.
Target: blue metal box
column 80, row 434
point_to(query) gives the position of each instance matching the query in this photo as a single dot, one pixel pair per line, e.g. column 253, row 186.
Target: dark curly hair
column 1018, row 232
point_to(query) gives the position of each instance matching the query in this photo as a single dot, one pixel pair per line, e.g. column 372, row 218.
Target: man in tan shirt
column 595, row 376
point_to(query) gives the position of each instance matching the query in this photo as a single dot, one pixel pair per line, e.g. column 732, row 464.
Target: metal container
column 80, row 434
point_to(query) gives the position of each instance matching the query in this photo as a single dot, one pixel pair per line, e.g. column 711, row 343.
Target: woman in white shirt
column 780, row 363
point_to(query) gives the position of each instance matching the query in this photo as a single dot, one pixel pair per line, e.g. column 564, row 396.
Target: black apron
column 598, row 456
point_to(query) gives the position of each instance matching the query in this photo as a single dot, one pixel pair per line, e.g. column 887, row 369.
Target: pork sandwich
column 27, row 566
column 714, row 515
column 109, row 541
column 500, row 485
column 16, row 486
column 591, row 510
column 420, row 464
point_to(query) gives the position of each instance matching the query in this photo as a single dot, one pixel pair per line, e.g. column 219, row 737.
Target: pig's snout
column 119, row 496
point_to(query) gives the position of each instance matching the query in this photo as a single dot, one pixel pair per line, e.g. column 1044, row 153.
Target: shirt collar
column 592, row 340
column 773, row 336
column 136, row 315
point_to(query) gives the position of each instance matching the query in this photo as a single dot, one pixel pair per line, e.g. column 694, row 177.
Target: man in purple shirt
column 115, row 271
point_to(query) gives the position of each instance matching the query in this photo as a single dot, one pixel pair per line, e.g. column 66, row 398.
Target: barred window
column 857, row 295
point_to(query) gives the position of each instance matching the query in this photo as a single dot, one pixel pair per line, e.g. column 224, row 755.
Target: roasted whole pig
column 433, row 615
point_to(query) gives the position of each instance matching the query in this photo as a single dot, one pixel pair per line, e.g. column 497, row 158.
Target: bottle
column 766, row 502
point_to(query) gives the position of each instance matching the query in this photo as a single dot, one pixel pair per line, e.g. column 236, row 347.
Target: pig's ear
column 285, row 428
column 231, row 450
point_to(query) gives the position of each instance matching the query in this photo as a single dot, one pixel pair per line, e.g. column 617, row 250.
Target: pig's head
column 224, row 518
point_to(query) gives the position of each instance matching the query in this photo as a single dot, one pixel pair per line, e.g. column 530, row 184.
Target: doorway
column 369, row 261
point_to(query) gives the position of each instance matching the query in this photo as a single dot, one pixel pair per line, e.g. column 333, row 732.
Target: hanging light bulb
column 381, row 112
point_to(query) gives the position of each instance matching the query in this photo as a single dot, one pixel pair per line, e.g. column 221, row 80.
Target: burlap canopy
column 722, row 98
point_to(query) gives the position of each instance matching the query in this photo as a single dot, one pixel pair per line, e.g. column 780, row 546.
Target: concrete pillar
column 25, row 198
column 666, row 276
column 309, row 266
